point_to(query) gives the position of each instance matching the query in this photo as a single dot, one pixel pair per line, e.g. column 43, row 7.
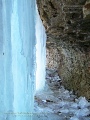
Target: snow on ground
column 57, row 103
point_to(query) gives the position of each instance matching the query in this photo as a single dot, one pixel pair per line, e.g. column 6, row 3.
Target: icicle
column 40, row 53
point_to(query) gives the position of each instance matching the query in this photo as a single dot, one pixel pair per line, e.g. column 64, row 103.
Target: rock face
column 53, row 57
column 67, row 24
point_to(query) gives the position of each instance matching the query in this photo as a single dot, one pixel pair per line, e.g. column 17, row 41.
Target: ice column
column 40, row 53
column 17, row 59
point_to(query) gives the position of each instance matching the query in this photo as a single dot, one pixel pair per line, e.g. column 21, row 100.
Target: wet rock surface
column 57, row 103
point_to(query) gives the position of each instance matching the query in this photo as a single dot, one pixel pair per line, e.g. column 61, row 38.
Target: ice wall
column 40, row 53
column 17, row 59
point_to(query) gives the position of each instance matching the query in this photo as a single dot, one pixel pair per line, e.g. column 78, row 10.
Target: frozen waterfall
column 40, row 53
column 17, row 59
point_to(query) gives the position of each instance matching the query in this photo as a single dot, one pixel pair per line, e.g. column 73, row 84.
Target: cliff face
column 67, row 24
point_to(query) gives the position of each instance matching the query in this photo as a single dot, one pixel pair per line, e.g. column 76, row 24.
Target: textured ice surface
column 82, row 102
column 17, row 58
column 74, row 118
column 60, row 103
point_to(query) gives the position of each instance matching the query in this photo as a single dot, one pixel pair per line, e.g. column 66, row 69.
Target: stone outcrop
column 67, row 24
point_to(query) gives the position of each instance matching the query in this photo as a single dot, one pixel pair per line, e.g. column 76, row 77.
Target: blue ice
column 17, row 59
